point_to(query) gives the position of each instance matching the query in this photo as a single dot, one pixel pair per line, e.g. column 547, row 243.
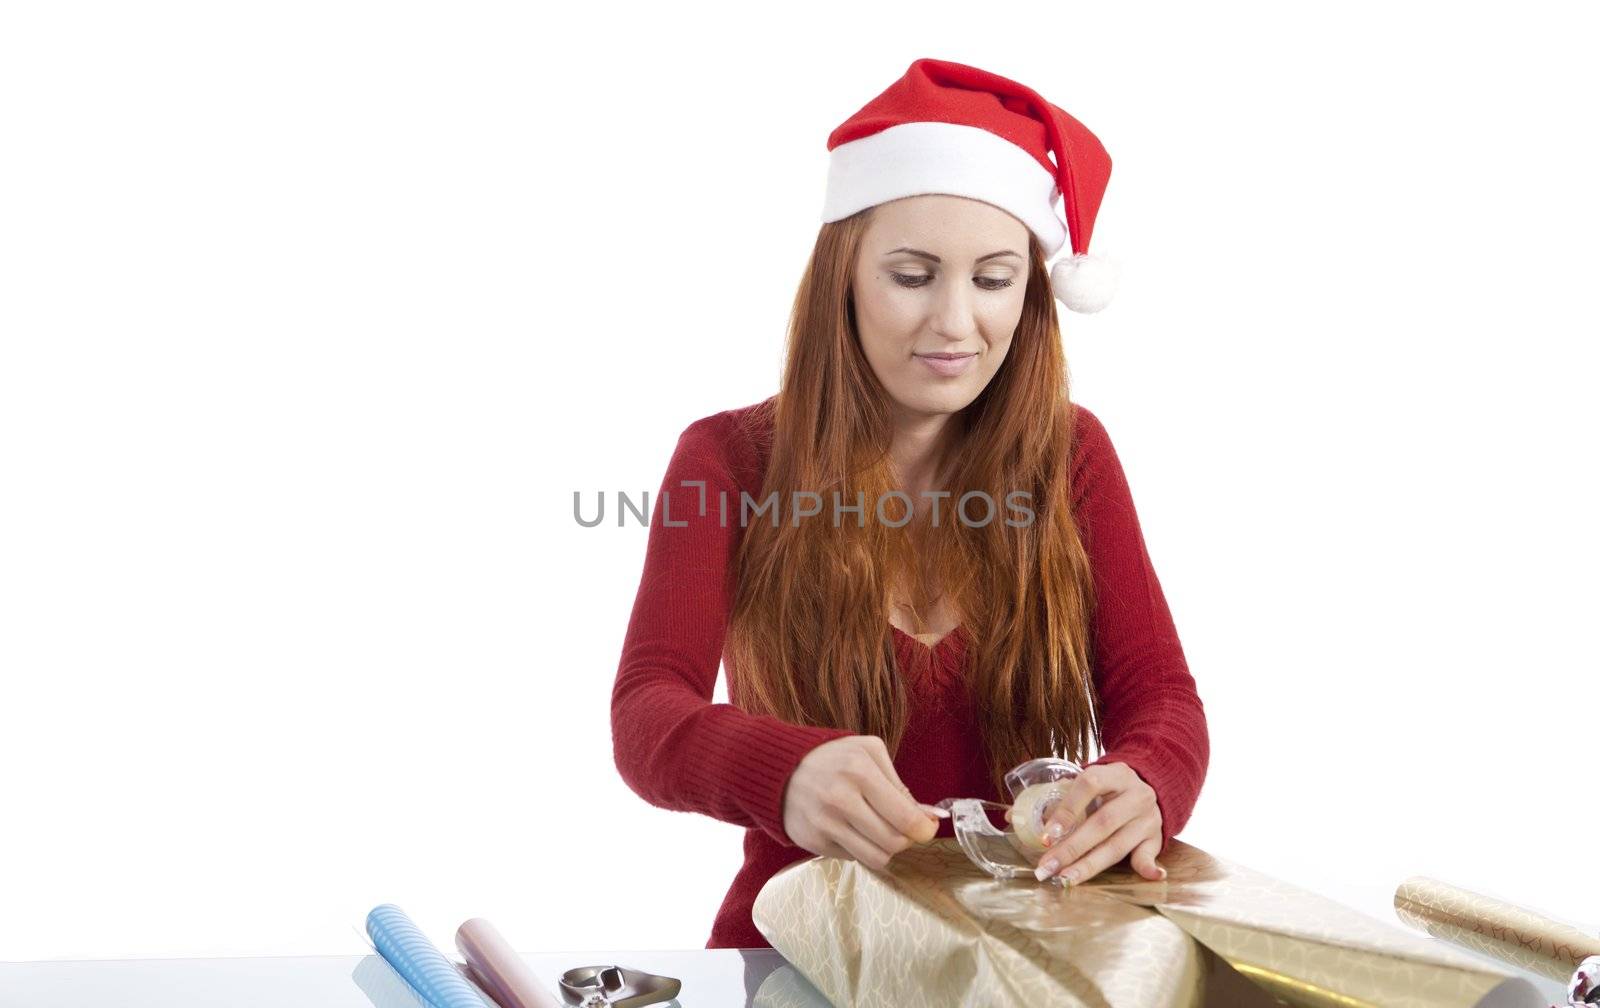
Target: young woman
column 919, row 560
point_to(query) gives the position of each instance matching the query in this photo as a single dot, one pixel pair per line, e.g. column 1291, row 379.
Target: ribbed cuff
column 762, row 752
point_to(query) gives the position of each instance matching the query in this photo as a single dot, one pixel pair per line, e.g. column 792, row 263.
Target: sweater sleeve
column 1149, row 712
column 673, row 746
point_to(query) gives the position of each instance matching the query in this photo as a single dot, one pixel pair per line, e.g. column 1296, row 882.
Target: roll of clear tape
column 1030, row 814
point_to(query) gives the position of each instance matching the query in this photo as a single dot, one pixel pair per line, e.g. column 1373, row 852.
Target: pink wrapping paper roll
column 496, row 967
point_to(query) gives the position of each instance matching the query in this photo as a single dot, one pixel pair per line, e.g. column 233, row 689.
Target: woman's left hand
column 1126, row 820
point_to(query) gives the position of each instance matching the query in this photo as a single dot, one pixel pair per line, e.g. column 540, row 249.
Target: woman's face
column 938, row 290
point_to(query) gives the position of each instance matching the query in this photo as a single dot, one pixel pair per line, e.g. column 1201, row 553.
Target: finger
column 1143, row 859
column 892, row 800
column 896, row 812
column 827, row 848
column 859, row 847
column 1111, row 850
column 879, row 751
column 872, row 824
column 1077, row 801
column 1103, row 822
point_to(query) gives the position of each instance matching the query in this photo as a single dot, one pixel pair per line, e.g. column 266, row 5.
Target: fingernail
column 1046, row 868
column 1163, row 871
column 1053, row 833
column 937, row 812
column 1071, row 876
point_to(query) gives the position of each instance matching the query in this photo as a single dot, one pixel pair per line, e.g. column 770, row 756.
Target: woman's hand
column 845, row 800
column 1127, row 819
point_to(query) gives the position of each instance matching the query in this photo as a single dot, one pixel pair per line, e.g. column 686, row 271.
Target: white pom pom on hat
column 1084, row 283
column 949, row 128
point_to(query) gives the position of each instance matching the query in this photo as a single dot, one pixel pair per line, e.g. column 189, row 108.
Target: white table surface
column 713, row 978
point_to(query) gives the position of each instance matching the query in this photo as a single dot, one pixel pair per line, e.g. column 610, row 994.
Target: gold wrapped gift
column 933, row 929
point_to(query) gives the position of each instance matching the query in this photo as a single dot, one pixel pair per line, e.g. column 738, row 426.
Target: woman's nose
column 953, row 316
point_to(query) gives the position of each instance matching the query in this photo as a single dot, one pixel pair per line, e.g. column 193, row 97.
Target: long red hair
column 809, row 633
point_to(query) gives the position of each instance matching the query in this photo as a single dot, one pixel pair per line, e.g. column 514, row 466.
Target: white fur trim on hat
column 935, row 157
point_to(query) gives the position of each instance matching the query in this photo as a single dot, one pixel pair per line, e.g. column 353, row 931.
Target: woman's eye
column 919, row 280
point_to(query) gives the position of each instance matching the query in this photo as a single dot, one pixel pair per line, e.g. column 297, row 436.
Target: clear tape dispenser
column 1035, row 788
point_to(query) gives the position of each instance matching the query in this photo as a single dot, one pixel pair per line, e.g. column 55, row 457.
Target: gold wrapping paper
column 933, row 929
column 1493, row 927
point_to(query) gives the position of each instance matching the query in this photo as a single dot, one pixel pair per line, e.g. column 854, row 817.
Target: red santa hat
column 949, row 128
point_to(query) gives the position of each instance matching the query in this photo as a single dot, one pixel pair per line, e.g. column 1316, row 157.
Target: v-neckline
column 936, row 645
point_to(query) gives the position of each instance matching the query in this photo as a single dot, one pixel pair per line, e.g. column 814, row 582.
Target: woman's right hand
column 845, row 800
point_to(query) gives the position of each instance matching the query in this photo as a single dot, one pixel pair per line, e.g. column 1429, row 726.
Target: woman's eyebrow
column 933, row 258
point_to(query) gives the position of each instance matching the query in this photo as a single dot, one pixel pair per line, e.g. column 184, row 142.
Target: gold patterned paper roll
column 1493, row 927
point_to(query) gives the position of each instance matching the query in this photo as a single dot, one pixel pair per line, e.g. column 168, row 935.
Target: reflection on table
column 711, row 977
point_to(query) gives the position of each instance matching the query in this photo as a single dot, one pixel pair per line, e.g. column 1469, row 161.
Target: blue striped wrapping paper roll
column 398, row 939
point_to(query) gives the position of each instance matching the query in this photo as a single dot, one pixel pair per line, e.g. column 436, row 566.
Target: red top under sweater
column 678, row 750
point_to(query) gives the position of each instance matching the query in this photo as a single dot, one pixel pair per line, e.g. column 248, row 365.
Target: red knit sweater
column 678, row 750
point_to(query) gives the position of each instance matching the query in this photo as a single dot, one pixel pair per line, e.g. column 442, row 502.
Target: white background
column 315, row 315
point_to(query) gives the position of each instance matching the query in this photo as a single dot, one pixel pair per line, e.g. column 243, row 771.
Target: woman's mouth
column 948, row 365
